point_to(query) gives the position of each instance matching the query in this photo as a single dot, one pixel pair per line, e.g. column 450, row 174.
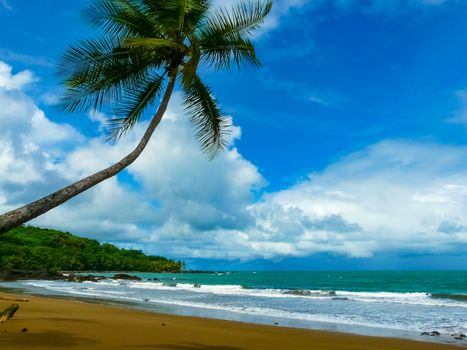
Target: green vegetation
column 33, row 248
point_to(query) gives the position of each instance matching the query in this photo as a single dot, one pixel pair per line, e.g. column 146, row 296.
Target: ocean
column 398, row 304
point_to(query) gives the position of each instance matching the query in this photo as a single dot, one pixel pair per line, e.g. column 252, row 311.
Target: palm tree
column 144, row 47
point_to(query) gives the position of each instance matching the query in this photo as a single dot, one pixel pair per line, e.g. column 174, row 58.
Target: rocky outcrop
column 83, row 278
column 432, row 334
column 459, row 336
column 15, row 275
column 124, row 276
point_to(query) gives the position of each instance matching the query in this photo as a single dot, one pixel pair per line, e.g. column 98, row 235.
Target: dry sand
column 65, row 324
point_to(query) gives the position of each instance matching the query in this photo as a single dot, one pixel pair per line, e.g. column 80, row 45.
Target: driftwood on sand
column 8, row 313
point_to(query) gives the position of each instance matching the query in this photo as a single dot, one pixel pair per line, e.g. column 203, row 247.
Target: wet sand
column 67, row 324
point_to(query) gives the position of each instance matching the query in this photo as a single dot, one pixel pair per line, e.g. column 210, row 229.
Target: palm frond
column 224, row 37
column 97, row 71
column 210, row 124
column 121, row 18
column 97, row 94
column 243, row 18
column 227, row 51
column 133, row 104
column 166, row 13
column 177, row 17
column 87, row 52
column 143, row 37
column 151, row 43
column 195, row 12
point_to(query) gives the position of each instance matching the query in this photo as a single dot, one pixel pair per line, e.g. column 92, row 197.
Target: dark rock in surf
column 124, row 276
column 431, row 334
column 459, row 336
column 298, row 292
column 16, row 275
column 83, row 278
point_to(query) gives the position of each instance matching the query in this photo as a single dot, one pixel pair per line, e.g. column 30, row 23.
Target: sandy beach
column 47, row 323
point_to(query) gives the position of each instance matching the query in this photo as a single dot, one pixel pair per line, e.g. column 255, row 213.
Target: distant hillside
column 33, row 248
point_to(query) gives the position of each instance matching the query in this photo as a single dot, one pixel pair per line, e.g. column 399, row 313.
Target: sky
column 348, row 148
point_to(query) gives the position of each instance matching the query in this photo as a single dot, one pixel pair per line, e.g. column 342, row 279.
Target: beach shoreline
column 76, row 324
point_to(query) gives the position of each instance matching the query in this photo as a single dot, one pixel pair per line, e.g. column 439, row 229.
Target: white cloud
column 390, row 196
column 10, row 81
column 30, row 142
column 175, row 182
column 395, row 191
column 99, row 118
column 178, row 184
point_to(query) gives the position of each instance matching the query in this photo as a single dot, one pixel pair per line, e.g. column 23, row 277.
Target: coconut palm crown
column 143, row 43
column 143, row 47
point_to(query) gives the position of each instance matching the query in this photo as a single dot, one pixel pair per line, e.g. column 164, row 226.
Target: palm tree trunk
column 30, row 211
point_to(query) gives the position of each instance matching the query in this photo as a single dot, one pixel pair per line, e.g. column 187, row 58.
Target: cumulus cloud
column 176, row 182
column 390, row 196
column 394, row 190
column 30, row 143
column 18, row 81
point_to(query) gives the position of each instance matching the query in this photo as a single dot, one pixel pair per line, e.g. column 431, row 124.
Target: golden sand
column 66, row 324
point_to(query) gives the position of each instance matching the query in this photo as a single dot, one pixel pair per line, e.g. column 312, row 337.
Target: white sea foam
column 282, row 314
column 237, row 290
column 368, row 309
column 370, row 297
column 214, row 289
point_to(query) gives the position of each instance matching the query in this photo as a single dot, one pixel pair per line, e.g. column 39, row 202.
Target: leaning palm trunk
column 142, row 43
column 30, row 211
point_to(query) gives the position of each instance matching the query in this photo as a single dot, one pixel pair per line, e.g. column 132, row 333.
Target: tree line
column 34, row 248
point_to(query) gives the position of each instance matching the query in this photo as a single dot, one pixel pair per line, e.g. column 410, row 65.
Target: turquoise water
column 378, row 303
column 451, row 282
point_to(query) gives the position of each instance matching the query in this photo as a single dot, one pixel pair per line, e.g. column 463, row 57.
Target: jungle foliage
column 33, row 248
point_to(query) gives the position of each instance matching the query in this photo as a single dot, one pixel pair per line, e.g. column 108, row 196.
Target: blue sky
column 349, row 146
